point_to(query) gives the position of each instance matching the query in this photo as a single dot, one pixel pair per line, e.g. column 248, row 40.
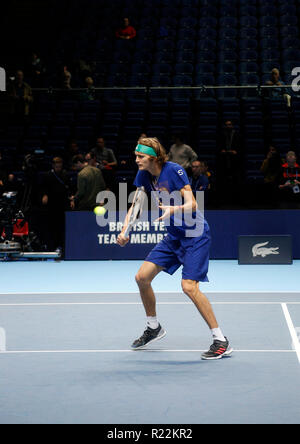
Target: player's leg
column 153, row 330
column 220, row 346
column 191, row 289
column 143, row 278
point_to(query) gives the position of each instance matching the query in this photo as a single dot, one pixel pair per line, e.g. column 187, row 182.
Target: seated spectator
column 106, row 160
column 182, row 154
column 126, row 32
column 66, row 78
column 198, row 180
column 21, row 94
column 89, row 183
column 55, row 198
column 277, row 93
column 290, row 182
column 89, row 93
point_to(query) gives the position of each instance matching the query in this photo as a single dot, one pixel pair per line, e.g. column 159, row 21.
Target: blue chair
column 184, row 68
column 165, row 45
column 231, row 22
column 204, row 79
column 204, row 68
column 266, row 43
column 267, row 10
column 248, row 10
column 270, row 54
column 248, row 44
column 227, row 56
column 186, row 45
column 182, row 80
column 207, row 33
column 249, row 79
column 227, row 80
column 208, row 22
column 160, row 80
column 248, row 22
column 226, row 68
column 287, row 9
column 288, row 20
column 208, row 11
column 266, row 67
column 248, row 33
column 162, row 68
column 206, row 45
column 227, row 33
column 186, row 34
column 289, row 31
column 185, row 56
column 188, row 12
column 163, row 57
column 227, row 45
column 290, row 54
column 205, row 56
column 248, row 67
column 268, row 31
column 290, row 42
column 247, row 55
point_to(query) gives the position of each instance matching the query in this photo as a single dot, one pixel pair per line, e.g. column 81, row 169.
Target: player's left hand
column 168, row 211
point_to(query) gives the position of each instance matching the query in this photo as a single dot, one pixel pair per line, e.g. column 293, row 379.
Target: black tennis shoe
column 149, row 335
column 218, row 350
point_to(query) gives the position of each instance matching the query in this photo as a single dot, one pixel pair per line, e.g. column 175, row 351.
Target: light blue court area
column 66, row 330
column 66, row 359
column 118, row 276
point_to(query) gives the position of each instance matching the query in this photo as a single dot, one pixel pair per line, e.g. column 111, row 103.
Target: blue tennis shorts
column 191, row 253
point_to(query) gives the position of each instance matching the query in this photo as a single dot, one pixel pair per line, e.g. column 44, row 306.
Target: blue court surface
column 66, row 330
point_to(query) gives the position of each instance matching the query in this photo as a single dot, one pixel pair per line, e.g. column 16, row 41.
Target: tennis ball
column 99, row 211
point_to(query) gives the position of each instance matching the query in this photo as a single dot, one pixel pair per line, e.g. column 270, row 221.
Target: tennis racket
column 136, row 209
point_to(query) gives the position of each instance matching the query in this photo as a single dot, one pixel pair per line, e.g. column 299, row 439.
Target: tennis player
column 184, row 245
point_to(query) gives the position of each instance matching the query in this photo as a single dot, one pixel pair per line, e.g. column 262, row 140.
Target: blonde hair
column 154, row 143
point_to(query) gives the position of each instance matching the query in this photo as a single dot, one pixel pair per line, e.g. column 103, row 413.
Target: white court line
column 50, row 304
column 11, row 352
column 291, row 329
column 34, row 293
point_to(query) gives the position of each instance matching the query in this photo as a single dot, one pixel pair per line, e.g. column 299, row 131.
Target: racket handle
column 126, row 232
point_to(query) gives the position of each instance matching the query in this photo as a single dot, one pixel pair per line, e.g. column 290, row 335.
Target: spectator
column 229, row 162
column 290, row 182
column 71, row 151
column 198, row 180
column 107, row 161
column 91, row 160
column 36, row 70
column 66, row 78
column 89, row 183
column 55, row 198
column 271, row 166
column 6, row 179
column 271, row 169
column 21, row 95
column 182, row 154
column 126, row 32
column 276, row 93
column 89, row 93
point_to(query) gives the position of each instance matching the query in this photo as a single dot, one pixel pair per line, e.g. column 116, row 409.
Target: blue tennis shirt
column 171, row 180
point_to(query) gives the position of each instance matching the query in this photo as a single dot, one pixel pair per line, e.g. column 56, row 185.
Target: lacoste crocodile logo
column 261, row 250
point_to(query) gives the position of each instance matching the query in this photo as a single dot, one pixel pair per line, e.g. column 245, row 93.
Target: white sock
column 152, row 322
column 217, row 334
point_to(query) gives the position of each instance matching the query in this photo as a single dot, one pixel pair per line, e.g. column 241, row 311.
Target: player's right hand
column 122, row 240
